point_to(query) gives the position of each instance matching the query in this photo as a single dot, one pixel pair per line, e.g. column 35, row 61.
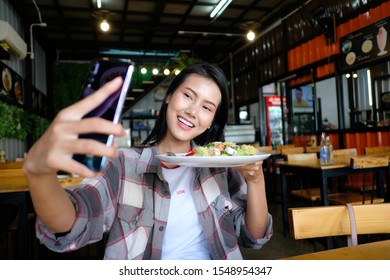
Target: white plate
column 211, row 161
column 350, row 58
column 367, row 46
column 7, row 79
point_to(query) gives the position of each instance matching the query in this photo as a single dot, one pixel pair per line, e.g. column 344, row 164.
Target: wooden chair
column 281, row 147
column 312, row 149
column 294, row 150
column 341, row 220
column 309, row 193
column 264, row 149
column 361, row 198
column 354, row 181
column 377, row 151
column 352, row 152
column 280, row 156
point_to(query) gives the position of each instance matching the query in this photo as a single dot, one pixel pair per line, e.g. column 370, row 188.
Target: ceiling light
column 166, row 72
column 250, row 35
column 99, row 3
column 222, row 5
column 177, row 72
column 251, row 27
column 103, row 17
column 104, row 26
column 143, row 70
column 155, row 71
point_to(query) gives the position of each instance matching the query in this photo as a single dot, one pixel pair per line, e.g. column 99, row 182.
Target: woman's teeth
column 187, row 123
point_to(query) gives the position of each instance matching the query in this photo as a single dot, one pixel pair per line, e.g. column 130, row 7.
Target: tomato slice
column 190, row 153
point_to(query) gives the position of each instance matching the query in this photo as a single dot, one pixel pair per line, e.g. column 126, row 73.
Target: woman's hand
column 252, row 172
column 55, row 149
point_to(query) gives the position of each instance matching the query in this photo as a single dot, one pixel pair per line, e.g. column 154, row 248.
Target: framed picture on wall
column 18, row 93
column 6, row 81
column 11, row 86
column 302, row 97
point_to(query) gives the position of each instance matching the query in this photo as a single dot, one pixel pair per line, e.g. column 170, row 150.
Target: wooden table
column 379, row 250
column 312, row 168
column 14, row 189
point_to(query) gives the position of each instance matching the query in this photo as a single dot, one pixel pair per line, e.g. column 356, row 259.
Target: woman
column 152, row 210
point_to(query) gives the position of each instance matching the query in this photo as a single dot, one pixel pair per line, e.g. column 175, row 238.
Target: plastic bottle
column 329, row 149
column 323, row 151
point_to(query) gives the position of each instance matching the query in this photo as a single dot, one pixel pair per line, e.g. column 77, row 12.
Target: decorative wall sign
column 365, row 45
column 11, row 86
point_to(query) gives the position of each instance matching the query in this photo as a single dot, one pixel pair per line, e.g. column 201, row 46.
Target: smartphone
column 101, row 71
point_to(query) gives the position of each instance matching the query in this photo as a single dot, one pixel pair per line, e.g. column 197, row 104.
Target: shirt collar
column 148, row 162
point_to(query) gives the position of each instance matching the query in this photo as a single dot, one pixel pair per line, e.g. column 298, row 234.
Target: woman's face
column 191, row 108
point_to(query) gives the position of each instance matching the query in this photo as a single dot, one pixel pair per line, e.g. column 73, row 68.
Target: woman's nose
column 191, row 111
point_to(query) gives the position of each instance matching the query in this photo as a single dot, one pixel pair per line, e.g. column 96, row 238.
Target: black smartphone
column 101, row 71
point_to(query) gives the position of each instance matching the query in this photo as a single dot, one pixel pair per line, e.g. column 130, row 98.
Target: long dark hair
column 215, row 132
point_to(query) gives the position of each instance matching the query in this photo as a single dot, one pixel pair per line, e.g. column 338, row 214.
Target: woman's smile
column 184, row 123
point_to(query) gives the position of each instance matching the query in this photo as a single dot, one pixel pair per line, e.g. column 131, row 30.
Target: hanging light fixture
column 250, row 35
column 250, row 26
column 103, row 16
column 104, row 25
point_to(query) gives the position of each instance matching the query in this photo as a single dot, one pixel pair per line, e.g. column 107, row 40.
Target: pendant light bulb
column 250, row 35
column 104, row 26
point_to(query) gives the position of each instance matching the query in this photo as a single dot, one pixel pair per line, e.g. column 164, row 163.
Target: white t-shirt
column 184, row 238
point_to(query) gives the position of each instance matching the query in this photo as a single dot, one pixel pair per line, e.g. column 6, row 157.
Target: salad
column 223, row 149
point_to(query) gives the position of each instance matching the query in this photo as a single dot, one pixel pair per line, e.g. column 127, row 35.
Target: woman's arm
column 256, row 217
column 54, row 151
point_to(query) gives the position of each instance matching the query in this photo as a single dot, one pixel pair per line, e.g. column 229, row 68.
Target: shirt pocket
column 135, row 217
column 223, row 211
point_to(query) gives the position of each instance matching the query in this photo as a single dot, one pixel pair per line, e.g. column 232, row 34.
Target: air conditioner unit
column 11, row 42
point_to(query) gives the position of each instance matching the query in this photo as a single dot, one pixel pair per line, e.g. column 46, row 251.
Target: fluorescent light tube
column 222, row 5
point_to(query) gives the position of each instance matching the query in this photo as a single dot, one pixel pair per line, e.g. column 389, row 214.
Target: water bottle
column 323, row 151
column 329, row 149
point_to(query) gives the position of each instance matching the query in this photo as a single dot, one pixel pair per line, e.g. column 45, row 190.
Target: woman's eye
column 188, row 96
column 207, row 108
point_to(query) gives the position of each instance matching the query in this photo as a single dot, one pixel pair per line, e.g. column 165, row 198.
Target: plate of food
column 347, row 46
column 7, row 79
column 216, row 154
column 367, row 46
column 350, row 58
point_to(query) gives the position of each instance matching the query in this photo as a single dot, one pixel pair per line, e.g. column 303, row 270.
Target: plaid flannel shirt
column 130, row 201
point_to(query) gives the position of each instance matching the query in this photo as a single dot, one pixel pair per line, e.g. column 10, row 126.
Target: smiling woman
column 191, row 212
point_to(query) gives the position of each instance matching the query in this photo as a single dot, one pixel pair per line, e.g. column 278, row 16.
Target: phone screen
column 102, row 71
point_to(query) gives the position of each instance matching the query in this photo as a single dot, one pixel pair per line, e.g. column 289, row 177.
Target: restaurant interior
column 296, row 69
